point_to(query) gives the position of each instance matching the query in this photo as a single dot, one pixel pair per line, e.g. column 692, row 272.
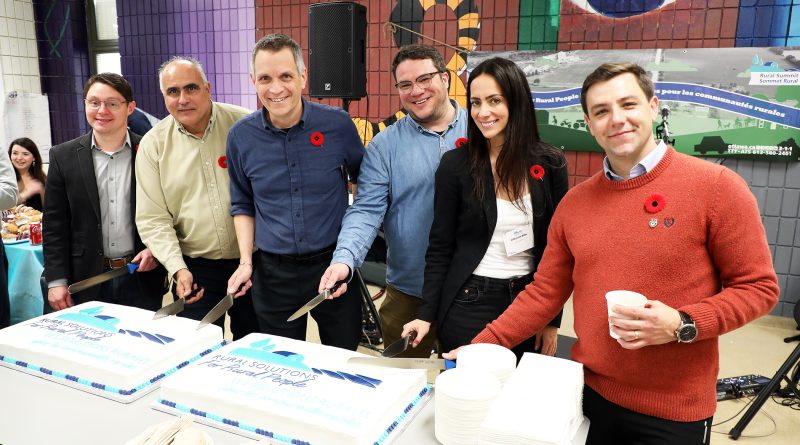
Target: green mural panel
column 538, row 24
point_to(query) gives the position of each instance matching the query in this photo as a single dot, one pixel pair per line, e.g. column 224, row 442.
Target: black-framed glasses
column 112, row 104
column 424, row 81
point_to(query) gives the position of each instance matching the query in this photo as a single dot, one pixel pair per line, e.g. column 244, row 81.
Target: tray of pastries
column 16, row 223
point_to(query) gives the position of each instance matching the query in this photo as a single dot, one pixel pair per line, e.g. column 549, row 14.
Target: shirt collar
column 645, row 165
column 126, row 144
column 303, row 118
column 456, row 117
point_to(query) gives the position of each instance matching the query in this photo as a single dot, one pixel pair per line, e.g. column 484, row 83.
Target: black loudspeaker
column 337, row 45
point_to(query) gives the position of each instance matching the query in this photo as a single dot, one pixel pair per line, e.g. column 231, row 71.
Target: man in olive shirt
column 183, row 196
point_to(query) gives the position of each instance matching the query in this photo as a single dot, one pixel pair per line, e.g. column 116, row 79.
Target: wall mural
column 731, row 102
column 617, row 9
column 409, row 16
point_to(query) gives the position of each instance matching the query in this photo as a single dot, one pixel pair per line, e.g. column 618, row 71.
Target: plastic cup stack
column 463, row 397
column 497, row 360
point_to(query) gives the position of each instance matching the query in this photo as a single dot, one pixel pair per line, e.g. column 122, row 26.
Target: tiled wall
column 682, row 24
column 19, row 63
column 776, row 186
column 63, row 64
column 219, row 33
column 768, row 23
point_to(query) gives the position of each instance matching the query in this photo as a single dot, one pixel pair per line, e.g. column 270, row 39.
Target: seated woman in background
column 493, row 203
column 30, row 177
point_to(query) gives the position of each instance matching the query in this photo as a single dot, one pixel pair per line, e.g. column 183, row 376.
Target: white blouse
column 496, row 263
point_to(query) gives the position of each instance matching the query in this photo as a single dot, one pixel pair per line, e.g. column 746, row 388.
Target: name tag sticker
column 518, row 240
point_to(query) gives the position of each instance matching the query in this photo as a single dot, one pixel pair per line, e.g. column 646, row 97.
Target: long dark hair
column 36, row 166
column 522, row 147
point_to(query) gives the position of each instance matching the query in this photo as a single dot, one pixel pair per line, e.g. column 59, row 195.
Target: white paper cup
column 622, row 298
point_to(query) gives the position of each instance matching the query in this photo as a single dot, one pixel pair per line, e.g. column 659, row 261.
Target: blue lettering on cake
column 261, row 351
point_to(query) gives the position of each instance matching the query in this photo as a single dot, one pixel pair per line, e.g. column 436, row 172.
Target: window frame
column 96, row 45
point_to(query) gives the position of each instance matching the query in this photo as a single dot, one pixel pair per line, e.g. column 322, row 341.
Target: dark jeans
column 282, row 284
column 213, row 275
column 613, row 424
column 479, row 301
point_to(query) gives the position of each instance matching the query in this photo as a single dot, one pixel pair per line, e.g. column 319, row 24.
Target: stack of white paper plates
column 541, row 404
column 497, row 360
column 463, row 396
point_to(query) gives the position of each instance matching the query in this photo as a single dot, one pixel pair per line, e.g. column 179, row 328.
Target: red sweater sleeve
column 738, row 247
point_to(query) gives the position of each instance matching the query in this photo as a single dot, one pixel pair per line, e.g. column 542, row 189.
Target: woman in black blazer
column 493, row 203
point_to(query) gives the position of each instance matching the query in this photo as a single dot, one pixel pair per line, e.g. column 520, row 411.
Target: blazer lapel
column 86, row 166
column 489, row 200
column 537, row 196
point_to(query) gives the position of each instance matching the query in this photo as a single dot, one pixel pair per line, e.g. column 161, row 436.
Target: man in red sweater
column 684, row 232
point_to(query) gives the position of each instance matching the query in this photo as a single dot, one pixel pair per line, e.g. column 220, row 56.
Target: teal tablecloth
column 25, row 266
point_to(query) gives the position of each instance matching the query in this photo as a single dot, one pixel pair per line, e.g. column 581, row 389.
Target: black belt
column 512, row 282
column 117, row 263
column 305, row 258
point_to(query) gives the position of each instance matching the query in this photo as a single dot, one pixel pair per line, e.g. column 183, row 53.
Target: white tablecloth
column 35, row 411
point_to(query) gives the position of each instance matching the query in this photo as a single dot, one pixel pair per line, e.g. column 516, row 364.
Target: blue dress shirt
column 645, row 165
column 294, row 187
column 396, row 188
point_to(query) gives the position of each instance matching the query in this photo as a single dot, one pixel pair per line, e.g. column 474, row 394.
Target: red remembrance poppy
column 460, row 142
column 655, row 203
column 317, row 139
column 223, row 161
column 537, row 172
column 136, row 148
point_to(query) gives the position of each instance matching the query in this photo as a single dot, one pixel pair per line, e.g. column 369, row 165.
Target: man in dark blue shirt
column 288, row 163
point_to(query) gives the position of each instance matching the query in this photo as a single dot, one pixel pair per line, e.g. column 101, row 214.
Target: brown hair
column 608, row 71
column 113, row 80
column 418, row 52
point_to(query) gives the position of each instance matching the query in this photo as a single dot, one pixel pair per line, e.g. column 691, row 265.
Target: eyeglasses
column 424, row 81
column 112, row 105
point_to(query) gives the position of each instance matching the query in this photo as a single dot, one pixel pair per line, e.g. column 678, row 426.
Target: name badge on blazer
column 518, row 240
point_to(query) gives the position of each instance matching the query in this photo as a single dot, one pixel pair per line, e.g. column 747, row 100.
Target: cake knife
column 170, row 309
column 102, row 278
column 314, row 302
column 399, row 346
column 176, row 306
column 405, row 363
column 217, row 311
